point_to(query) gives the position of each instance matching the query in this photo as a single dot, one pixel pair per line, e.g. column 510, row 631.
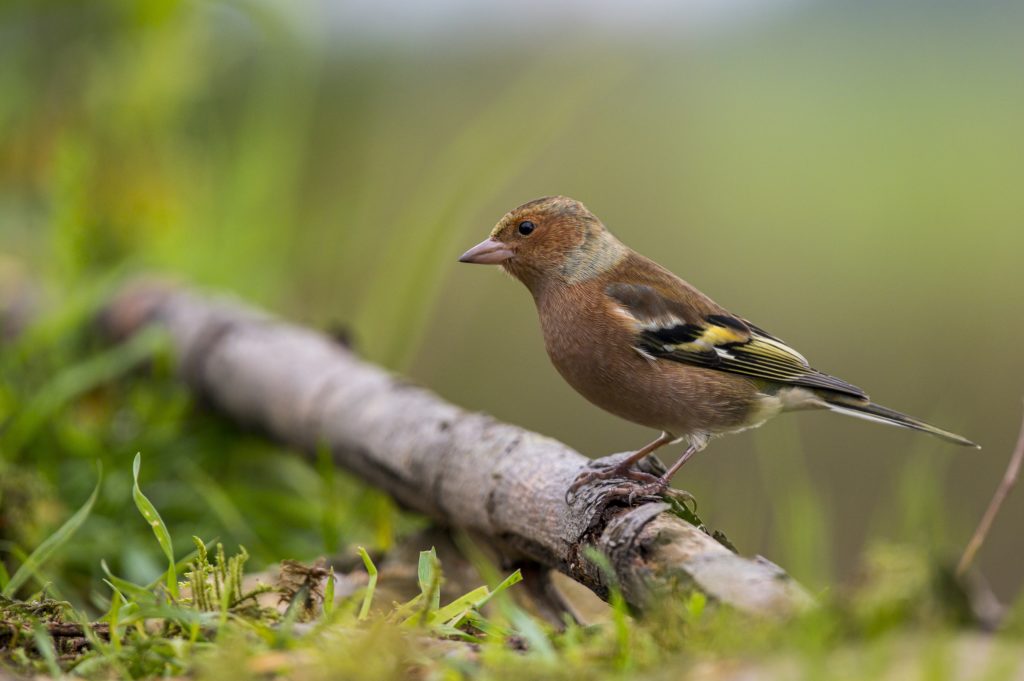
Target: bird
column 643, row 344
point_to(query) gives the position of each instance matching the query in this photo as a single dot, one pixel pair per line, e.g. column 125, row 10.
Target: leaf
column 371, row 584
column 152, row 516
column 455, row 611
column 134, row 591
column 695, row 605
column 429, row 574
column 328, row 606
column 113, row 616
column 509, row 581
column 51, row 544
column 444, row 620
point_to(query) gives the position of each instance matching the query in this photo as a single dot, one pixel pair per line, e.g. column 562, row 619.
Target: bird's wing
column 668, row 328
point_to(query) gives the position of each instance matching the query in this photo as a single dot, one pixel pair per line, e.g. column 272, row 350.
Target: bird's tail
column 874, row 412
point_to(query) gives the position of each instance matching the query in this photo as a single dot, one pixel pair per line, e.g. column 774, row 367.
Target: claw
column 588, row 476
column 647, row 489
column 633, row 492
column 641, row 483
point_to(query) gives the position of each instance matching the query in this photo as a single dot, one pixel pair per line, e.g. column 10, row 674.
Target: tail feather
column 875, row 412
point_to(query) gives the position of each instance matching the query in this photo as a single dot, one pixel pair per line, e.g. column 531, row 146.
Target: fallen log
column 462, row 469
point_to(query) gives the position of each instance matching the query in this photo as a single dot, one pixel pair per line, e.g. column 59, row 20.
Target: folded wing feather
column 667, row 329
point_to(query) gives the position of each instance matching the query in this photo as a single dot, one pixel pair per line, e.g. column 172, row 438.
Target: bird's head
column 549, row 240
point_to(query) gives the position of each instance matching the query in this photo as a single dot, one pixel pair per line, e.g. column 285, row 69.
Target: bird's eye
column 526, row 227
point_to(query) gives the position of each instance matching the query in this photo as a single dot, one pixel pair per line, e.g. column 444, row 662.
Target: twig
column 1002, row 491
column 68, row 637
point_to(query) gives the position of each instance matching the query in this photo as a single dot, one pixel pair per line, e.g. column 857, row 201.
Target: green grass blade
column 371, row 584
column 329, row 595
column 152, row 516
column 620, row 610
column 454, row 612
column 44, row 551
column 113, row 616
column 429, row 574
column 181, row 565
column 44, row 644
column 538, row 642
column 506, row 583
column 136, row 592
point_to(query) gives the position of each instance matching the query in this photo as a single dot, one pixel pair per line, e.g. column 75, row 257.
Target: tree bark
column 461, row 469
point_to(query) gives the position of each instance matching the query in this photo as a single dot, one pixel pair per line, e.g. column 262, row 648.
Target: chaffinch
column 641, row 343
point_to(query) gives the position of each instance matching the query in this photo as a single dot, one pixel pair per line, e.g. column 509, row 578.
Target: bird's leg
column 623, row 469
column 659, row 485
column 687, row 455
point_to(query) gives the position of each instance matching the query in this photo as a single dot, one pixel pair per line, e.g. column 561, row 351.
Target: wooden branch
column 69, row 638
column 461, row 469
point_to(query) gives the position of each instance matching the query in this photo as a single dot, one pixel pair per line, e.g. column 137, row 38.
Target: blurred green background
column 847, row 175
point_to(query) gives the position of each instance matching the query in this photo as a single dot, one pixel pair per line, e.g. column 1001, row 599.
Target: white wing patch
column 646, row 355
column 650, row 323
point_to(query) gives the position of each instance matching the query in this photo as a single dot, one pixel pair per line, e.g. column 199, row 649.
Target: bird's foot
column 632, row 492
column 596, row 471
column 637, row 482
column 654, row 489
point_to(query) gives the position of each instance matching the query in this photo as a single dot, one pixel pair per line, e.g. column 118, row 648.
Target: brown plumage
column 641, row 343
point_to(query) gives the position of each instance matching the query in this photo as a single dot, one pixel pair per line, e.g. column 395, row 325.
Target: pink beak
column 487, row 252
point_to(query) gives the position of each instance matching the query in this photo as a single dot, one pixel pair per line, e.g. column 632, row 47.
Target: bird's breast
column 593, row 349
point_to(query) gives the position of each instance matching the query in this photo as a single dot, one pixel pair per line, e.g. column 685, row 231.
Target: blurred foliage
column 176, row 137
column 846, row 174
column 208, row 478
